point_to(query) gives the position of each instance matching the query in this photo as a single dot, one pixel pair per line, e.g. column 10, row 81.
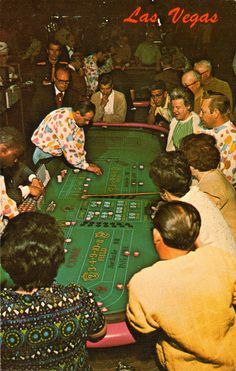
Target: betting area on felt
column 107, row 239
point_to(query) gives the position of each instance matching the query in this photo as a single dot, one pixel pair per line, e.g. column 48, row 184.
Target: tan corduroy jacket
column 190, row 298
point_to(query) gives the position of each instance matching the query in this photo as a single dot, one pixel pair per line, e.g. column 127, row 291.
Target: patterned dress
column 48, row 330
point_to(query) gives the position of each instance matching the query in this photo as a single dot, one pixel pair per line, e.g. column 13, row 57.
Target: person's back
column 214, row 229
column 44, row 325
column 217, row 186
column 190, row 300
column 49, row 330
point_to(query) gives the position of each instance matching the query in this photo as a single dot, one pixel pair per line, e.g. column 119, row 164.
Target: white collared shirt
column 109, row 107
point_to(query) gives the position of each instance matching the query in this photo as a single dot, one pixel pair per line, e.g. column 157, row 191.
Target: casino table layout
column 106, row 219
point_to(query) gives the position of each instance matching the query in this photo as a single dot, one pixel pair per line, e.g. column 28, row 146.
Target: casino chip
column 126, row 253
column 120, row 286
column 68, row 240
column 104, row 309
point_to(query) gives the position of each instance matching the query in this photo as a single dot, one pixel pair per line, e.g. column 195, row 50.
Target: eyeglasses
column 201, row 73
column 66, row 82
column 187, row 85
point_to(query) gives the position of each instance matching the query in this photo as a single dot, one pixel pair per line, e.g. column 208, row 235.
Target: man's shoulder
column 119, row 94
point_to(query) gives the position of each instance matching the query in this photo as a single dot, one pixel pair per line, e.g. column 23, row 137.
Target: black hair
column 178, row 224
column 32, row 250
column 171, row 172
column 105, row 79
column 159, row 85
column 84, row 107
column 54, row 42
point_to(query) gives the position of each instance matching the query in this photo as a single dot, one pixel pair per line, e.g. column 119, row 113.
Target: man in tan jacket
column 110, row 104
column 187, row 297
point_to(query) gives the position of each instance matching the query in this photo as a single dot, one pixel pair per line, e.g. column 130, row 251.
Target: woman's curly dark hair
column 32, row 250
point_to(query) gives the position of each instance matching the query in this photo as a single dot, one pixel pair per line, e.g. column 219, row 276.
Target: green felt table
column 110, row 238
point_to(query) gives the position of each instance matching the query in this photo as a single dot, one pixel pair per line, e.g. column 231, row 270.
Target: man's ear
column 193, row 170
column 156, row 236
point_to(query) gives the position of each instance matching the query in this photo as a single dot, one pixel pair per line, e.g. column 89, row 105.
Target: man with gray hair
column 212, row 83
column 192, row 80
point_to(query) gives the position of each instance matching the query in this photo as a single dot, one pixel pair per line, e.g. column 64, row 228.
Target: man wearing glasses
column 160, row 112
column 53, row 96
column 192, row 81
column 209, row 82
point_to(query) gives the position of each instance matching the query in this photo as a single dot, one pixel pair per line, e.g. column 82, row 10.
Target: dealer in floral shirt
column 61, row 132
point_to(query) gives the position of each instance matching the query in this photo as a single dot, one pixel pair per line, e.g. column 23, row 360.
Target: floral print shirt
column 8, row 206
column 91, row 74
column 59, row 134
column 225, row 136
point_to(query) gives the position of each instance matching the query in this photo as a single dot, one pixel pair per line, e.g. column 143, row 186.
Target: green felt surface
column 106, row 228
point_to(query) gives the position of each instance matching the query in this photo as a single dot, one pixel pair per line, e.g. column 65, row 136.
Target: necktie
column 59, row 98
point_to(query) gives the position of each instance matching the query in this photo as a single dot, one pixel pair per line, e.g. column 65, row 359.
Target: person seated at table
column 45, row 68
column 185, row 121
column 50, row 97
column 20, row 180
column 204, row 157
column 8, row 207
column 160, row 112
column 110, row 104
column 61, row 132
column 186, row 299
column 52, row 322
column 171, row 173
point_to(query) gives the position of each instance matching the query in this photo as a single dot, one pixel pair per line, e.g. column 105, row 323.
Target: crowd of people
column 188, row 297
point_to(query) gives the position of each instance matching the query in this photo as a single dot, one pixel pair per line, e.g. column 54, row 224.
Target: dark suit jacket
column 15, row 176
column 44, row 101
column 171, row 77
